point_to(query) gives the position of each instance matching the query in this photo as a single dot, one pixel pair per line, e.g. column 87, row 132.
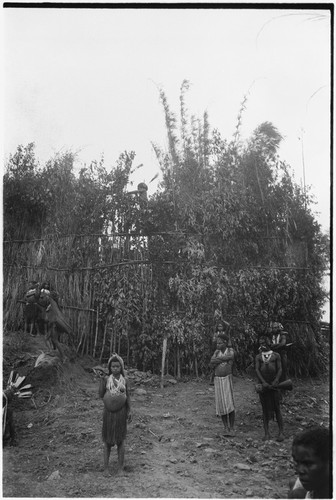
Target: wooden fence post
column 104, row 340
column 164, row 350
column 96, row 336
column 178, row 362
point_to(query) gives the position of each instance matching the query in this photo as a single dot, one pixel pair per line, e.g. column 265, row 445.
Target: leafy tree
column 255, row 225
column 24, row 206
column 228, row 234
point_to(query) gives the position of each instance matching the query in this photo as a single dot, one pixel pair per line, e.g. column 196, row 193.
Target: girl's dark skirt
column 114, row 426
column 270, row 402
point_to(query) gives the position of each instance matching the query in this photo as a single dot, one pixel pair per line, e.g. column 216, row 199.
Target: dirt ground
column 174, row 446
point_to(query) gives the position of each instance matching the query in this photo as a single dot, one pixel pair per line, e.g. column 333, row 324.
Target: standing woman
column 222, row 361
column 114, row 390
column 221, row 327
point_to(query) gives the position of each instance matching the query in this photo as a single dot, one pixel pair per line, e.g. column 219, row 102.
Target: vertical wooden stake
column 96, row 336
column 178, row 362
column 196, row 366
column 112, row 341
column 104, row 340
column 164, row 350
column 115, row 342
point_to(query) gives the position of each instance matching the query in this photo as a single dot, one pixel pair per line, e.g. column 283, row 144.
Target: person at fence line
column 114, row 390
column 30, row 312
column 278, row 344
column 222, row 328
column 48, row 290
column 268, row 370
column 32, row 291
column 222, row 361
column 311, row 455
column 270, row 326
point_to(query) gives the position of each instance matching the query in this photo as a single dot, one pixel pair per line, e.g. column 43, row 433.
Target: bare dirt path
column 174, row 445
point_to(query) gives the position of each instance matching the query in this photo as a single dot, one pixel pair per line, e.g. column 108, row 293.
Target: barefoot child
column 268, row 369
column 311, row 455
column 222, row 361
column 115, row 418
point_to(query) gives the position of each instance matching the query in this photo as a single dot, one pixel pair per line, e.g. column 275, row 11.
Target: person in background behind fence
column 278, row 344
column 47, row 289
column 32, row 314
column 222, row 361
column 275, row 331
column 114, row 390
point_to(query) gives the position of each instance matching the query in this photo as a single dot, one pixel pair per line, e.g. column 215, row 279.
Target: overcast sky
column 86, row 80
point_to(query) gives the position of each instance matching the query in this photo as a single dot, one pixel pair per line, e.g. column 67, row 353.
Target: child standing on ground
column 268, row 370
column 222, row 326
column 115, row 417
column 222, row 361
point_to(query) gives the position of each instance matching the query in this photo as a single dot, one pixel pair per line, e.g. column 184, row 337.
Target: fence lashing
column 165, row 262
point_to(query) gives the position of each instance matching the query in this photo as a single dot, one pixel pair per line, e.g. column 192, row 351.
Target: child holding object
column 268, row 370
column 117, row 410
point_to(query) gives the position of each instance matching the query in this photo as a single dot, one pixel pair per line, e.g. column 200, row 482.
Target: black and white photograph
column 166, row 224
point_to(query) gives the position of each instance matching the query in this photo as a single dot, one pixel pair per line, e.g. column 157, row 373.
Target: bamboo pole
column 96, row 336
column 196, row 365
column 112, row 340
column 80, row 341
column 84, row 341
column 120, row 234
column 78, row 308
column 168, row 262
column 119, row 342
column 87, row 344
column 164, row 351
column 104, row 339
column 178, row 362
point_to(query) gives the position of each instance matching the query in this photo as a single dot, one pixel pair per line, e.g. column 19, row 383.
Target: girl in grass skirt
column 222, row 362
column 117, row 409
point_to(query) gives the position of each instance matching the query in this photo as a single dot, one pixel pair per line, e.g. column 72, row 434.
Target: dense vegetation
column 228, row 234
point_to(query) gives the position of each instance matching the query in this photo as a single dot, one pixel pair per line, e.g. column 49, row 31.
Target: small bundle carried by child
column 115, row 396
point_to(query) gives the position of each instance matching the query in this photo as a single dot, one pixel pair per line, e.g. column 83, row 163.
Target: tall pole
column 303, row 168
